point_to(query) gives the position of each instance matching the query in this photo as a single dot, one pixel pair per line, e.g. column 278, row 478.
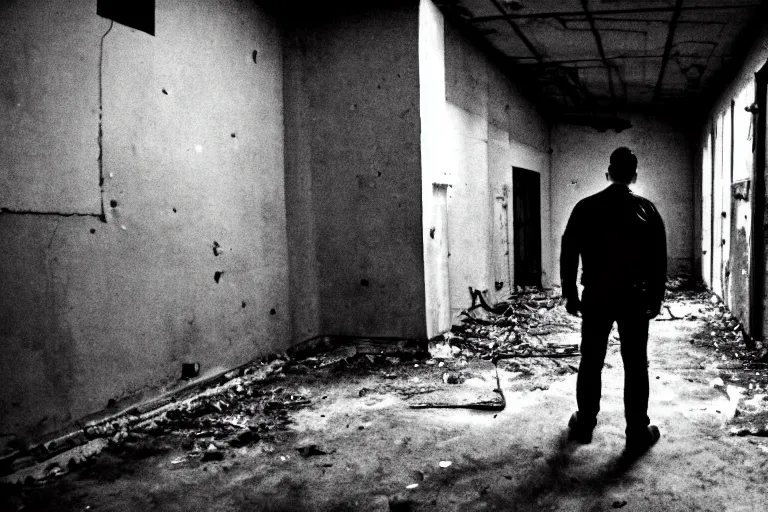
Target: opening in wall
column 526, row 200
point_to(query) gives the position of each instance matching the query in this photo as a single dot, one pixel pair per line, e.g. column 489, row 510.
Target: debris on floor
column 741, row 363
column 59, row 464
column 343, row 413
column 473, row 385
column 311, row 450
column 541, row 350
column 238, row 411
column 536, row 374
column 247, row 405
column 513, row 328
column 333, row 350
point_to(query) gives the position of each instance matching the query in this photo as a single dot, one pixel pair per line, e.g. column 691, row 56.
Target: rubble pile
column 686, row 299
column 239, row 408
column 241, row 415
column 741, row 363
column 536, row 374
column 722, row 332
column 243, row 411
column 514, row 328
column 337, row 352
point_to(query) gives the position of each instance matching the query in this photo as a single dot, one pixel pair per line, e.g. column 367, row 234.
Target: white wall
column 580, row 160
column 433, row 167
column 490, row 127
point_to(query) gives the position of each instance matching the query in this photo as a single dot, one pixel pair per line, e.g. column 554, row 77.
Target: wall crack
column 4, row 210
column 102, row 216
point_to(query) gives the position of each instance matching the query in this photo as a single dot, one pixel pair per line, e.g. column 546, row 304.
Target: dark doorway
column 527, row 226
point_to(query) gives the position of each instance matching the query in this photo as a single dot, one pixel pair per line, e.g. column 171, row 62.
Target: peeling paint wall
column 490, row 127
column 191, row 262
column 354, row 158
column 580, row 161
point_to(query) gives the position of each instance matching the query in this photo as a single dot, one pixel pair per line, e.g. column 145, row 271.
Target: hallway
column 347, row 440
column 238, row 238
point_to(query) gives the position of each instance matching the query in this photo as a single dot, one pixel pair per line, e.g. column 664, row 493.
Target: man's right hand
column 653, row 311
column 573, row 305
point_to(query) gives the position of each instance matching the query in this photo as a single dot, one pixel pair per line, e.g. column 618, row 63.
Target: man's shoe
column 638, row 444
column 578, row 432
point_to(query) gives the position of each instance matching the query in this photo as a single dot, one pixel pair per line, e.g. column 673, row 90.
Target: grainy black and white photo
column 385, row 255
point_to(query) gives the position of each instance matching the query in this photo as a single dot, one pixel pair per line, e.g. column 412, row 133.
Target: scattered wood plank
column 480, row 391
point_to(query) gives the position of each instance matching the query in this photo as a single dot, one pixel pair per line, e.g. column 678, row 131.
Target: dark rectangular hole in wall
column 526, row 189
column 137, row 14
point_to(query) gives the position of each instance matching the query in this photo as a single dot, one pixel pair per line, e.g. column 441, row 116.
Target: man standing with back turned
column 620, row 237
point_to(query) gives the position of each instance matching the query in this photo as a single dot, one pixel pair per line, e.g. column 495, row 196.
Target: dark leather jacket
column 622, row 242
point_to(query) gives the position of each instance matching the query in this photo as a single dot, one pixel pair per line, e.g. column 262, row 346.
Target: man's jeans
column 599, row 311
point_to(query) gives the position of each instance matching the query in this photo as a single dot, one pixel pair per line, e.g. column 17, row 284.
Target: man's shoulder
column 593, row 200
column 608, row 197
column 644, row 201
column 647, row 209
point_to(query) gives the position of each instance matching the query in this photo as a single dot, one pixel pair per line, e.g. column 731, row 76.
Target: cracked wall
column 190, row 265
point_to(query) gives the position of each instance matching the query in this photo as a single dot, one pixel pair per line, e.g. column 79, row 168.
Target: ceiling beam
column 653, row 20
column 600, row 50
column 581, row 14
column 576, row 91
column 576, row 61
column 668, row 47
column 519, row 33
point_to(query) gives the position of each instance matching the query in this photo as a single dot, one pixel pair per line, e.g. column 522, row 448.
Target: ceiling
column 587, row 57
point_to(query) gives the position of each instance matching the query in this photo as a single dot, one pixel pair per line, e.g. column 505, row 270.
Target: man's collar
column 619, row 187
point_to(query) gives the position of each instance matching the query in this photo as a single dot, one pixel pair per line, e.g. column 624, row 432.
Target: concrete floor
column 377, row 448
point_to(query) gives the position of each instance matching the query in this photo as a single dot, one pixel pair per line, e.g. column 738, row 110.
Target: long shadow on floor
column 558, row 481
